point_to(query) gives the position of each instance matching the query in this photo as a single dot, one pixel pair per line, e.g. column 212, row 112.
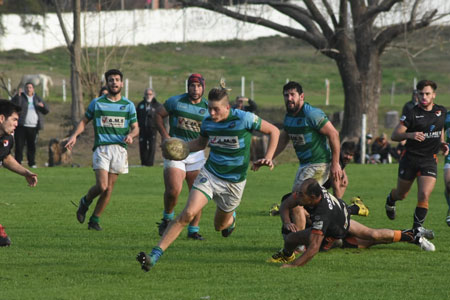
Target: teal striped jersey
column 303, row 128
column 447, row 134
column 112, row 120
column 185, row 118
column 229, row 141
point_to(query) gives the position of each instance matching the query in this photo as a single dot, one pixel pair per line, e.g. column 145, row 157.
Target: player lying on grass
column 228, row 133
column 331, row 221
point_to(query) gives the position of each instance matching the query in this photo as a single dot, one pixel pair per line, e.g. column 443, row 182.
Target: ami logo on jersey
column 227, row 142
column 188, row 124
column 112, row 121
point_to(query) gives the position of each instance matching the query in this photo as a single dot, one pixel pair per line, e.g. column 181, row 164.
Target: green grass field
column 54, row 257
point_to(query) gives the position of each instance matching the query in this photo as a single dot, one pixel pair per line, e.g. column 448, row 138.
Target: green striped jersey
column 229, row 141
column 303, row 128
column 112, row 120
column 185, row 118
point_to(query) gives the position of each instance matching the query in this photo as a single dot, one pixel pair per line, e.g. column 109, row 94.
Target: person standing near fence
column 31, row 120
column 146, row 111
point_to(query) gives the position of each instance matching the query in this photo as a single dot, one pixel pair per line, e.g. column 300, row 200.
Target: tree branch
column 390, row 33
column 311, row 38
column 61, row 22
column 330, row 13
column 317, row 16
column 374, row 10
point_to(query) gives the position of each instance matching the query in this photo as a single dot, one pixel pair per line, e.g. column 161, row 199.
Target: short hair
column 348, row 147
column 113, row 72
column 292, row 85
column 217, row 94
column 423, row 83
column 7, row 108
column 313, row 188
column 27, row 83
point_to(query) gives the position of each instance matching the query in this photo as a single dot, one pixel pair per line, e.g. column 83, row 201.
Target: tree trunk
column 361, row 82
column 75, row 76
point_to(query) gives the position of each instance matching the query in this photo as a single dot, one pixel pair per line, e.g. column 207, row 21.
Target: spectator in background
column 381, row 149
column 410, row 104
column 358, row 159
column 31, row 120
column 146, row 110
column 399, row 149
column 241, row 103
column 103, row 91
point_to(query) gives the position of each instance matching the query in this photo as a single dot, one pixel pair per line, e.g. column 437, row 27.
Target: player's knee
column 447, row 187
column 186, row 217
column 172, row 194
column 102, row 187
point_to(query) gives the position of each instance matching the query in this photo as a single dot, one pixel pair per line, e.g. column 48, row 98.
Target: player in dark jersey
column 9, row 116
column 330, row 221
column 423, row 129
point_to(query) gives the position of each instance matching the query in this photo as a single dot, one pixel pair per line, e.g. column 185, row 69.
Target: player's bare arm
column 285, row 207
column 315, row 240
column 274, row 135
column 335, row 145
column 161, row 113
column 133, row 133
column 80, row 128
column 198, row 144
column 399, row 134
column 11, row 164
column 283, row 140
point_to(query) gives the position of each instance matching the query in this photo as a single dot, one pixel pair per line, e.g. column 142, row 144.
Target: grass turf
column 54, row 257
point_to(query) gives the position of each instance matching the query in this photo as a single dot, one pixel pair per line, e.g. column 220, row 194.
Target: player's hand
column 336, row 171
column 128, row 139
column 445, row 148
column 31, row 179
column 418, row 136
column 262, row 162
column 71, row 142
column 291, row 227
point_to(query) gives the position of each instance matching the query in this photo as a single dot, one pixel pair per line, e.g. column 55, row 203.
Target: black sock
column 353, row 209
column 406, row 237
column 287, row 252
column 419, row 216
column 389, row 200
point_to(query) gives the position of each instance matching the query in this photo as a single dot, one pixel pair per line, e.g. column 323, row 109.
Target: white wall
column 121, row 28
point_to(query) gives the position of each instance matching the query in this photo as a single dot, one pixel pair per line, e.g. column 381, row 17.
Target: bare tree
column 350, row 33
column 74, row 48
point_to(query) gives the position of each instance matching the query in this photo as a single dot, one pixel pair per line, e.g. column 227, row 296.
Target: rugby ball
column 175, row 149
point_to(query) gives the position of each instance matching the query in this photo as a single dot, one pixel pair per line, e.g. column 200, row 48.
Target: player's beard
column 294, row 109
column 110, row 92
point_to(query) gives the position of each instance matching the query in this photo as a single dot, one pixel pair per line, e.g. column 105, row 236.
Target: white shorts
column 320, row 172
column 227, row 195
column 193, row 162
column 111, row 158
column 447, row 166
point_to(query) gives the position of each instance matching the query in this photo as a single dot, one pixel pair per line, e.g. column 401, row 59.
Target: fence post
column 392, row 92
column 252, row 96
column 243, row 86
column 327, row 87
column 150, row 82
column 9, row 87
column 64, row 90
column 126, row 88
column 363, row 139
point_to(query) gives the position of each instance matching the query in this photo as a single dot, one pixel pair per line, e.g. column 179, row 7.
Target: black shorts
column 411, row 167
